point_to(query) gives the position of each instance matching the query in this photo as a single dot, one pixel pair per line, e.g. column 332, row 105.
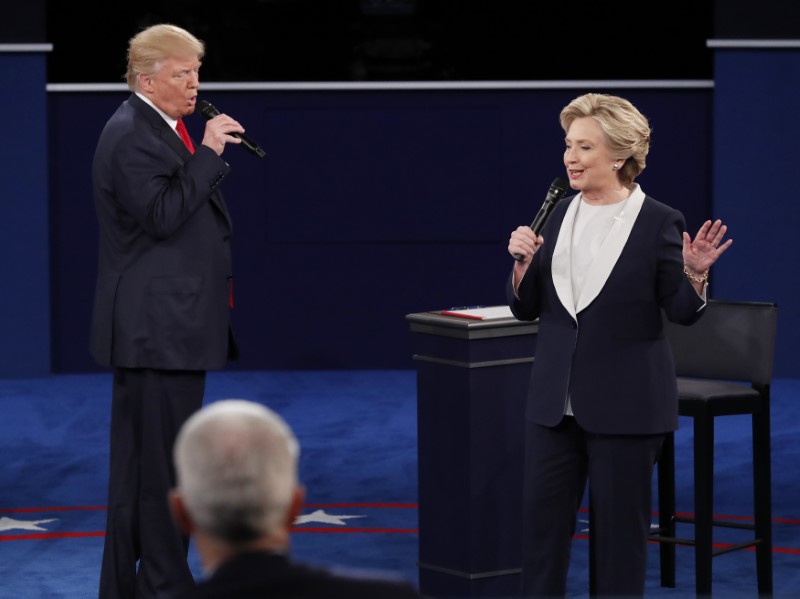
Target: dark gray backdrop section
column 369, row 205
column 24, row 23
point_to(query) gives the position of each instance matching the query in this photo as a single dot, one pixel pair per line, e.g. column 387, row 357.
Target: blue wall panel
column 756, row 132
column 370, row 205
column 24, row 232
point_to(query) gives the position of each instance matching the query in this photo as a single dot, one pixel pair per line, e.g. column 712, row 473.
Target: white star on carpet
column 324, row 518
column 12, row 524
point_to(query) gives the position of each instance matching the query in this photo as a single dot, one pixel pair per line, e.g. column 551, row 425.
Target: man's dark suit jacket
column 261, row 574
column 607, row 351
column 164, row 264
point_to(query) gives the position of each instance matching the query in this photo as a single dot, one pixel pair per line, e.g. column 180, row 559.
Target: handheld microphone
column 557, row 190
column 208, row 110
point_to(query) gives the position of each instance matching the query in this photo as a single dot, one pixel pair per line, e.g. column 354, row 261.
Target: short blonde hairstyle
column 626, row 130
column 148, row 48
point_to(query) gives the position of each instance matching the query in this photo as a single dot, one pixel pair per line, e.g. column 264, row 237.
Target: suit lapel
column 176, row 144
column 603, row 262
column 561, row 263
column 610, row 250
column 172, row 139
column 166, row 132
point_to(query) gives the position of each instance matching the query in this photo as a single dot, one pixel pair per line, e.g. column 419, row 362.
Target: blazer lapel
column 561, row 264
column 166, row 132
column 172, row 139
column 611, row 248
column 176, row 144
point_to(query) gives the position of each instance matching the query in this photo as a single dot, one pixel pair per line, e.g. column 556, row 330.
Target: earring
column 616, row 166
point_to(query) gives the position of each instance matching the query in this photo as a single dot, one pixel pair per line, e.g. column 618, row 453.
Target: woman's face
column 588, row 160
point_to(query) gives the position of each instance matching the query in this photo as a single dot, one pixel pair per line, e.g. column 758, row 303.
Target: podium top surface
column 435, row 323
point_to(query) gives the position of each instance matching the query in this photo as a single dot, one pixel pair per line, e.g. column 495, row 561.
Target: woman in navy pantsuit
column 602, row 394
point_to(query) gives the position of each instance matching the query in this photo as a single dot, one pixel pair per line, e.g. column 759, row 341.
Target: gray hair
column 626, row 130
column 236, row 466
column 150, row 47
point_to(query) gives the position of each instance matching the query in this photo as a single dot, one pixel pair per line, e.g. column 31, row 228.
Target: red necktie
column 187, row 141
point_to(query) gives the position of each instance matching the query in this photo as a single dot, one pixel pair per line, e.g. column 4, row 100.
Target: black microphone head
column 207, row 109
column 558, row 187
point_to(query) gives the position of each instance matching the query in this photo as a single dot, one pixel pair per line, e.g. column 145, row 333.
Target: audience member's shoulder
column 284, row 579
column 355, row 582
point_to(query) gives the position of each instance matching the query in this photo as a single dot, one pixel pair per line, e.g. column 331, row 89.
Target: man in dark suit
column 238, row 494
column 162, row 302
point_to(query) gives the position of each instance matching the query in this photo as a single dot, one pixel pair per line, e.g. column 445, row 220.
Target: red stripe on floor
column 362, row 530
column 51, row 535
column 366, row 505
column 31, row 510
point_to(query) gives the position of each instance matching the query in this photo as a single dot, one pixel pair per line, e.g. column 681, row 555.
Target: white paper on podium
column 487, row 313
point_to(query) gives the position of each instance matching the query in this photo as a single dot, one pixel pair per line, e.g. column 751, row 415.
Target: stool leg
column 762, row 498
column 666, row 509
column 703, row 501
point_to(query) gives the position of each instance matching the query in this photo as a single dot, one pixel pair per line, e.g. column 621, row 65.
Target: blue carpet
column 358, row 435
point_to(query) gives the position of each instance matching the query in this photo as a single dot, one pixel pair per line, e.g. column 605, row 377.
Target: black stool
column 724, row 367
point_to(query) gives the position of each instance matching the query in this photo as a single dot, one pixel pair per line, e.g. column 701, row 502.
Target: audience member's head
column 237, row 487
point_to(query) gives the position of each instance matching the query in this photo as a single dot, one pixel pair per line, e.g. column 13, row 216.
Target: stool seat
column 722, row 397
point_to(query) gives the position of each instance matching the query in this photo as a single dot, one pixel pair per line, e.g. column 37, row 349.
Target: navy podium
column 472, row 380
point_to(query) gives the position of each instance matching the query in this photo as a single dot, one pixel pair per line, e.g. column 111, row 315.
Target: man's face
column 173, row 88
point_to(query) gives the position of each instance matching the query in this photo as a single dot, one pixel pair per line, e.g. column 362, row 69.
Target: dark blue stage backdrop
column 24, row 248
column 370, row 205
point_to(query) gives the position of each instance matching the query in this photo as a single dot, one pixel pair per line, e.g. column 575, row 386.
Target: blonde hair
column 148, row 48
column 626, row 130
